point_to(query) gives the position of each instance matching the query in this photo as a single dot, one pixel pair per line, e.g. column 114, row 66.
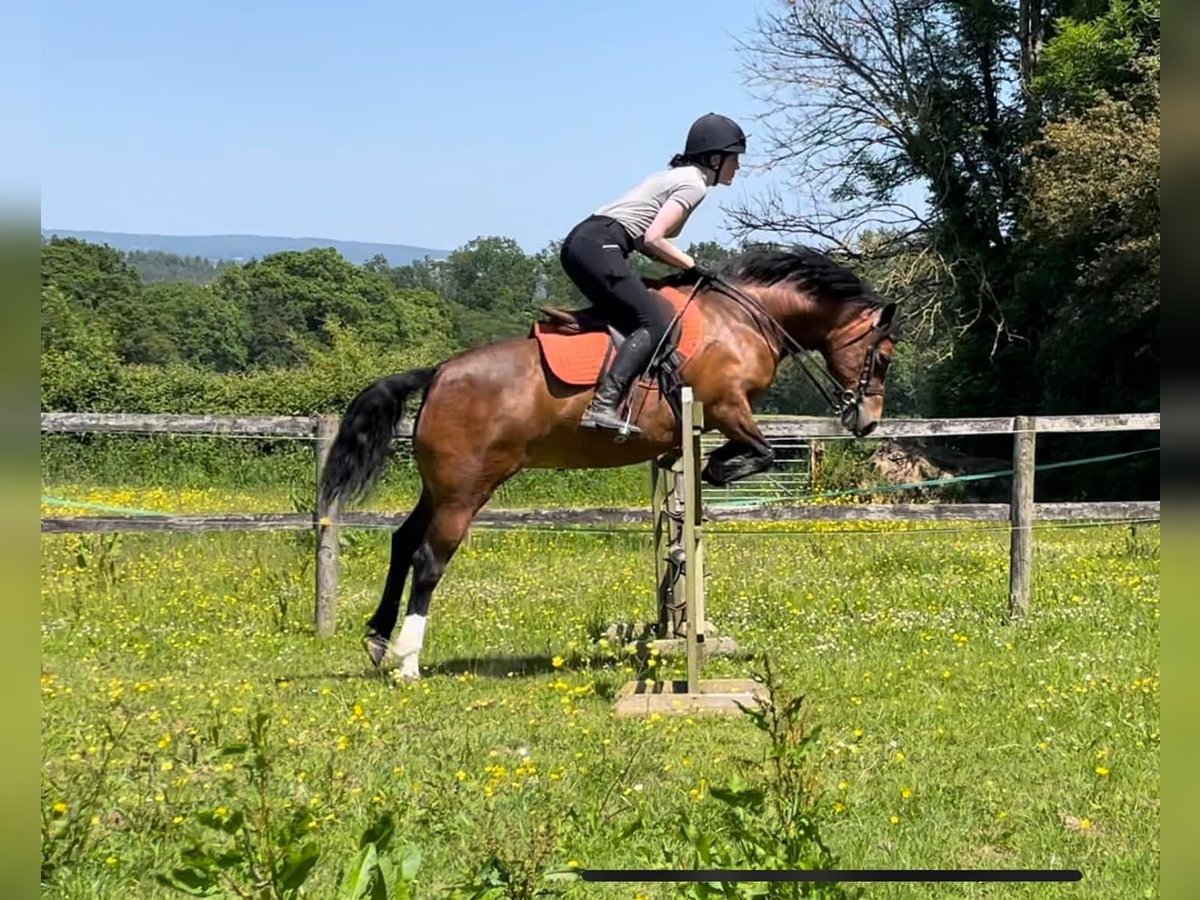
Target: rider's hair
column 698, row 159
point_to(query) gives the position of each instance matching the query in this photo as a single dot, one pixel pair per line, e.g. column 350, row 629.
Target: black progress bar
column 892, row 875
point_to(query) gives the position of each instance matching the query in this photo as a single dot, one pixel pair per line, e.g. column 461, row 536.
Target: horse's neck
column 807, row 320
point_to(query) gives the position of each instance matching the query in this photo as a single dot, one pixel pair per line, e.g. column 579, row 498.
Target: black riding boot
column 631, row 360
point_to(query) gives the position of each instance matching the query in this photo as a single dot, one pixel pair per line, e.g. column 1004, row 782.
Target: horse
column 489, row 412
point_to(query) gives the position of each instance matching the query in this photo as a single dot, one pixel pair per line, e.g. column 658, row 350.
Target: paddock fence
column 1020, row 512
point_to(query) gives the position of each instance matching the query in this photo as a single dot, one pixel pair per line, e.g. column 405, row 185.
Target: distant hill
column 242, row 247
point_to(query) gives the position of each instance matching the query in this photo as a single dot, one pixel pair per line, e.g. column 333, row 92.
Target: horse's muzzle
column 857, row 420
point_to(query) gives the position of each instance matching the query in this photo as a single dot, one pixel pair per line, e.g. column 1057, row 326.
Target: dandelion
column 60, row 807
column 1085, row 824
column 1102, row 771
column 906, row 793
column 558, row 662
column 843, row 785
column 895, row 819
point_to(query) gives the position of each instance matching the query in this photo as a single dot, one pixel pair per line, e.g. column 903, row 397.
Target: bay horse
column 489, row 412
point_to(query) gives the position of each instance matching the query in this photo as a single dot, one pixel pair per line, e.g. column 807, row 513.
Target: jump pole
column 695, row 695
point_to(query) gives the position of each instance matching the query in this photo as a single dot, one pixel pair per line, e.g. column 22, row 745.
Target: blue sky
column 418, row 123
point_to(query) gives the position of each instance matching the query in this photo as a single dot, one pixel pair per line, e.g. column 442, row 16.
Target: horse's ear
column 887, row 319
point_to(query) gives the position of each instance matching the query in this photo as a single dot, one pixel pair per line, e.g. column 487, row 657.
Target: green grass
column 950, row 738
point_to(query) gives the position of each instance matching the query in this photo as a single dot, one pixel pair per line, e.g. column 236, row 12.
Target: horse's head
column 823, row 306
column 857, row 354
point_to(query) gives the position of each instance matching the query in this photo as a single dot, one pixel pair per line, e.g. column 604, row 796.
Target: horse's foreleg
column 446, row 531
column 747, row 451
column 405, row 541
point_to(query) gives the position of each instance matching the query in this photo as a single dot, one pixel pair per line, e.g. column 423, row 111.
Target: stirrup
column 609, row 421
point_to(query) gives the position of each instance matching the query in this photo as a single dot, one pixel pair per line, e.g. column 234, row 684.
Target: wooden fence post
column 327, row 537
column 693, row 516
column 1020, row 569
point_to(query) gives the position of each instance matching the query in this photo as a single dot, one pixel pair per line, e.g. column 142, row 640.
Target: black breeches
column 595, row 257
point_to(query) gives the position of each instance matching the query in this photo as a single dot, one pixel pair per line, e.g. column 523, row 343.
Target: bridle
column 839, row 398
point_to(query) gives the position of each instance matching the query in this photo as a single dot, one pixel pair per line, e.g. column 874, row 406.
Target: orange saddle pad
column 578, row 358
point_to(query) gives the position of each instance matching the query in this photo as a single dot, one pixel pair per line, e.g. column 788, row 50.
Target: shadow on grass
column 497, row 667
column 607, row 668
column 519, row 666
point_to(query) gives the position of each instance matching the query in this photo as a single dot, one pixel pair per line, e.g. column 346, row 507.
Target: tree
column 79, row 361
column 194, row 325
column 426, row 274
column 98, row 285
column 710, row 253
column 290, row 300
column 871, row 103
column 491, row 286
column 1091, row 230
column 554, row 287
column 994, row 164
column 874, row 102
column 155, row 266
column 492, row 273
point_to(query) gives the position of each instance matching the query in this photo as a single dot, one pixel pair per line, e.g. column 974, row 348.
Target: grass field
column 948, row 737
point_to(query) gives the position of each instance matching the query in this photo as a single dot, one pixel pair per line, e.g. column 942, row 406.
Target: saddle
column 578, row 344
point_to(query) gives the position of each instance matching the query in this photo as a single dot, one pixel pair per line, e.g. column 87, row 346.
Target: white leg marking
column 406, row 646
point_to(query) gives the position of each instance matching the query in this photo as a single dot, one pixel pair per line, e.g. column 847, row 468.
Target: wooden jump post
column 683, row 566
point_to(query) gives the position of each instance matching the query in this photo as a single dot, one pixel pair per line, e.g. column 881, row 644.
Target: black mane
column 802, row 266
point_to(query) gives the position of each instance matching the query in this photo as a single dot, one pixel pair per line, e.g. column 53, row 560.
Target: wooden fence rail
column 1021, row 512
column 798, row 427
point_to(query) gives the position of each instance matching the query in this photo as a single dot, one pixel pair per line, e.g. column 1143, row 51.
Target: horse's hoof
column 376, row 647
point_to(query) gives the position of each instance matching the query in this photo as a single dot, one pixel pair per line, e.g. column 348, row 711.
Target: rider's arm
column 668, row 222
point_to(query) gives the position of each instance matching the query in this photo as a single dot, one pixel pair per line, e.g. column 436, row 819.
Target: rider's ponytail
column 682, row 159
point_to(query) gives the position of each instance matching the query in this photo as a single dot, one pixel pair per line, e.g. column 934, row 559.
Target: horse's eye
column 881, row 365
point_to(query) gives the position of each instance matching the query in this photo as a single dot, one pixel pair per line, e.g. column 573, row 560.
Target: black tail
column 360, row 451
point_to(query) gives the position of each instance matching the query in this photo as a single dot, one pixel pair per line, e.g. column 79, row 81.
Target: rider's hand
column 702, row 273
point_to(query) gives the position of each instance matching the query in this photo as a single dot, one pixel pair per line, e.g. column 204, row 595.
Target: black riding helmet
column 713, row 133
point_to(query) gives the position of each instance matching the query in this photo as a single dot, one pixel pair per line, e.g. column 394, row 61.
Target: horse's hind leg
column 405, row 541
column 446, row 531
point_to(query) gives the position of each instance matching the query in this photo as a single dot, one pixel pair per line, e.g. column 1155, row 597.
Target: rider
column 594, row 255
